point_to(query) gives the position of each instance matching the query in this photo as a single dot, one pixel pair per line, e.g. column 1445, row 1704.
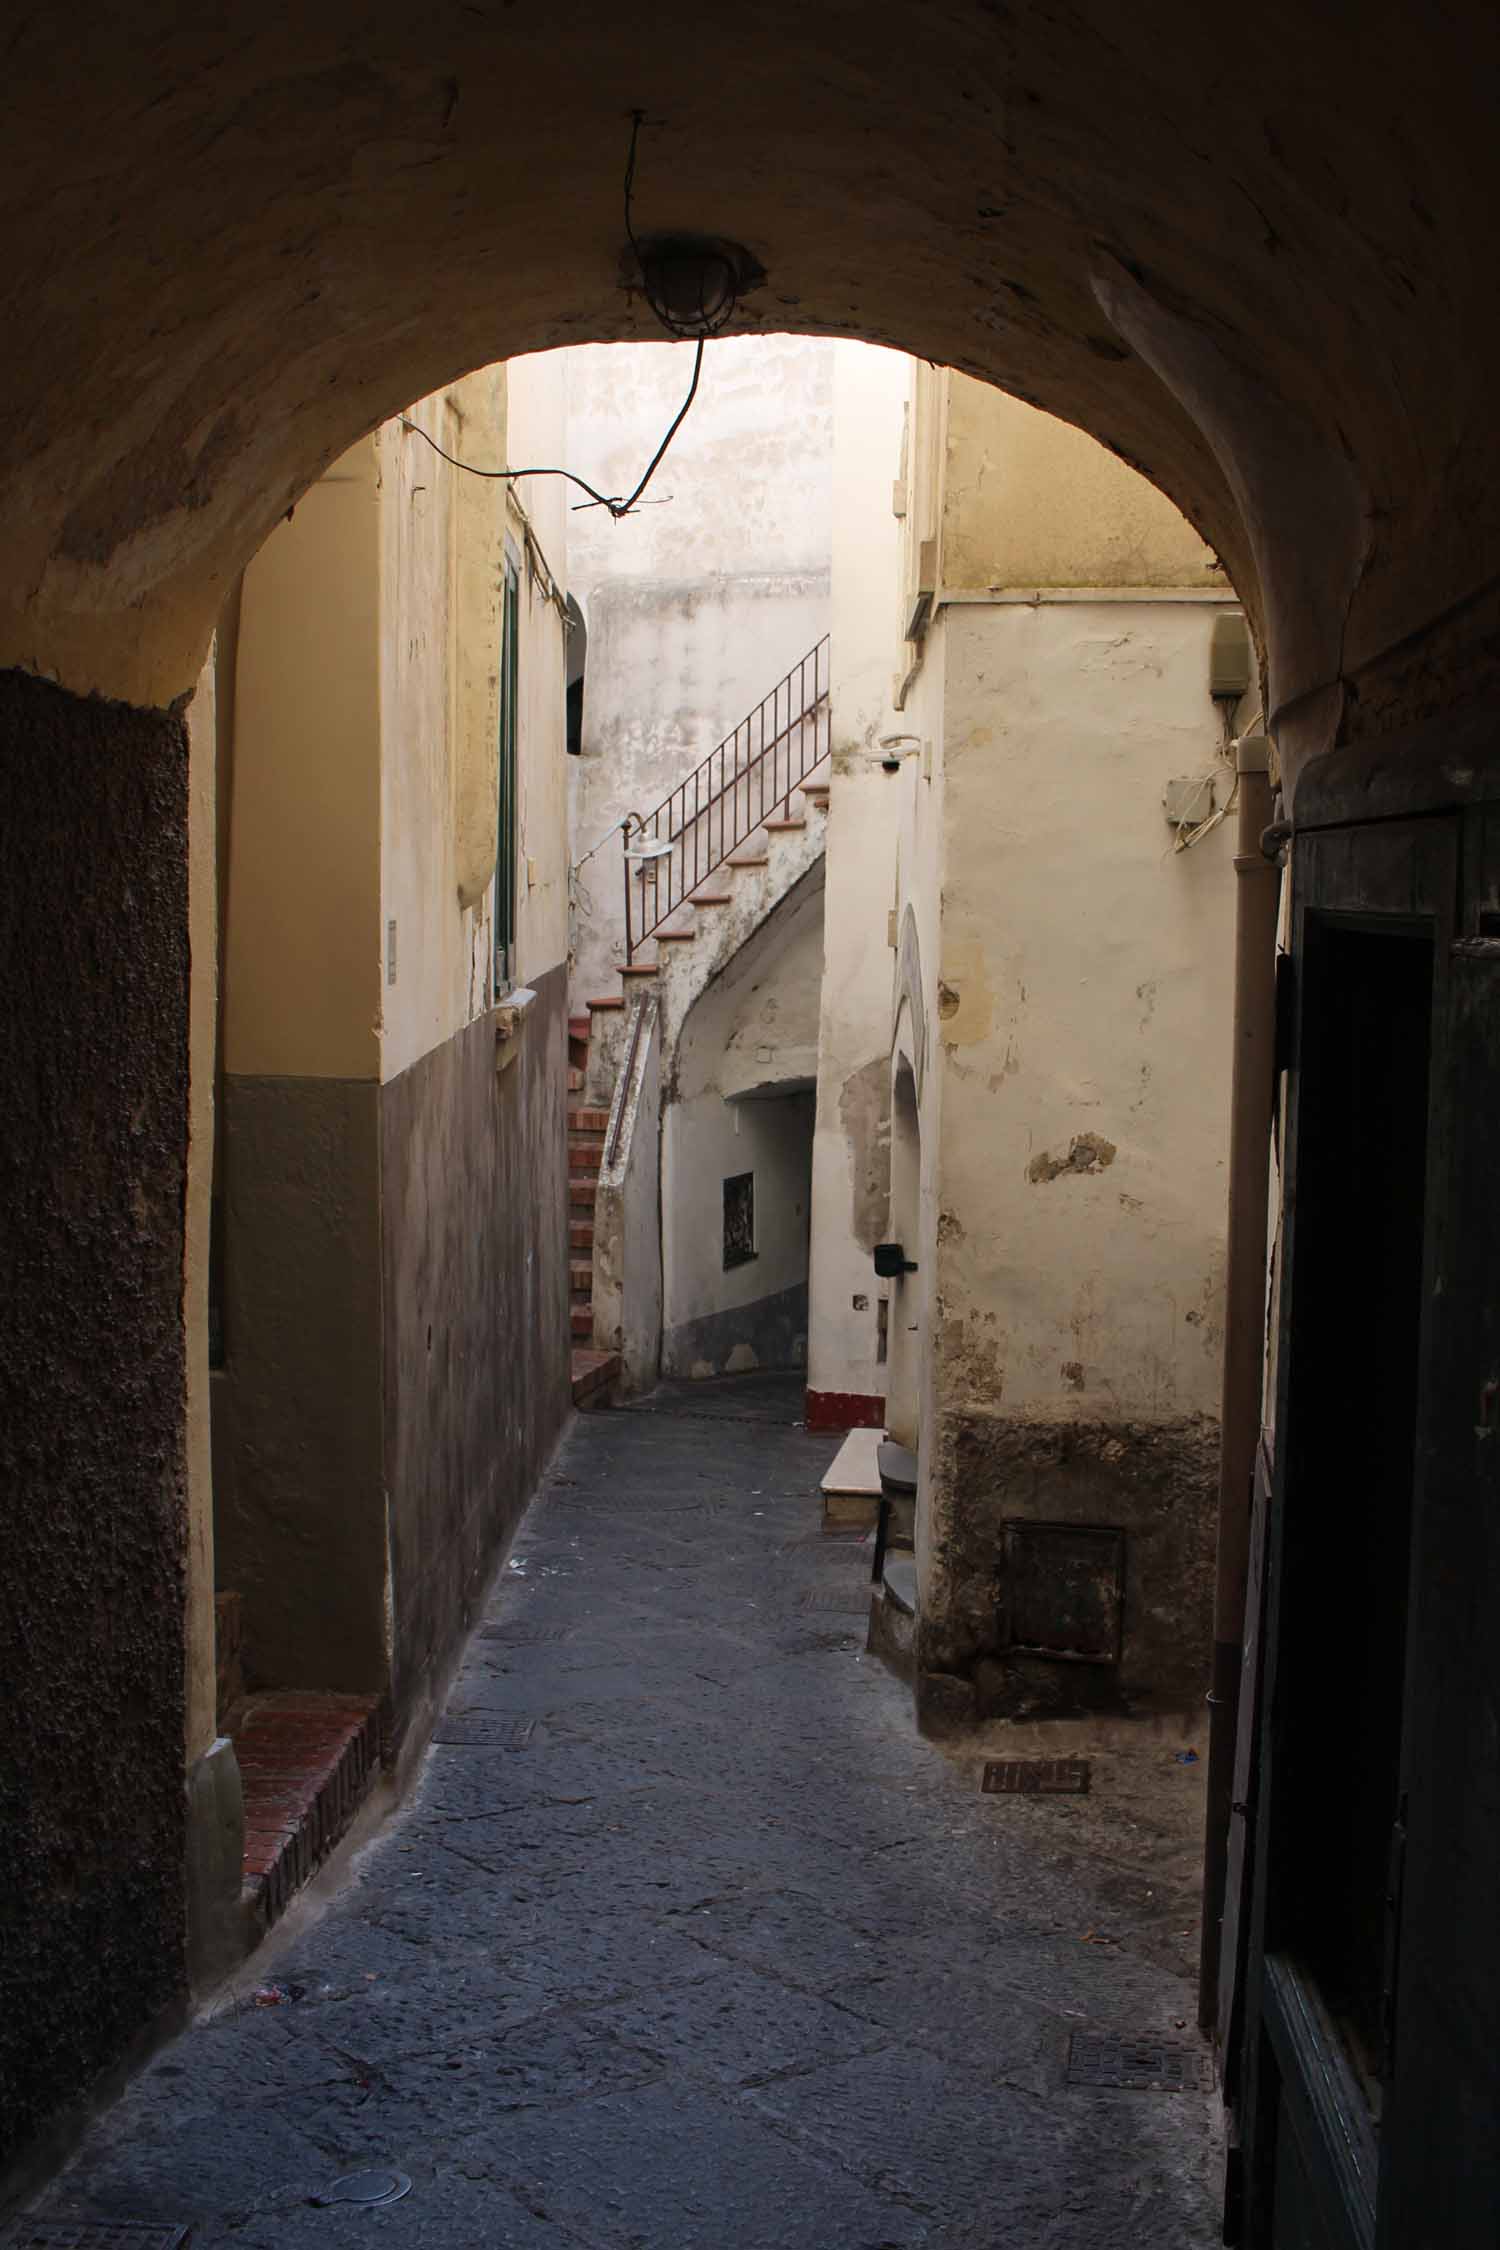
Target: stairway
column 682, row 956
column 702, row 872
column 595, row 1373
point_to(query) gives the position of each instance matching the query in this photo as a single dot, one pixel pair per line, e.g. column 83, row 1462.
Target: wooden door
column 1324, row 2080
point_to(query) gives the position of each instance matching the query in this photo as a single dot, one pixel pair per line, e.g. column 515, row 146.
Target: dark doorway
column 1362, row 1161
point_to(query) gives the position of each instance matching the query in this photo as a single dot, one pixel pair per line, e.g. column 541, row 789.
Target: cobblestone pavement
column 683, row 1937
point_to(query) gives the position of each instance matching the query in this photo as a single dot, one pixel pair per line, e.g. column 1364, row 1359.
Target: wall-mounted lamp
column 891, row 1261
column 645, row 848
column 897, row 747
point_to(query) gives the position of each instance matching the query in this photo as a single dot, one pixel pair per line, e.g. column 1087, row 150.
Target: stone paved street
column 684, row 1938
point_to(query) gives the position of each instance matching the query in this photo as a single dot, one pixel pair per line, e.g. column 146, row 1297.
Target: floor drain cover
column 846, row 1601
column 367, row 2188
column 1145, row 2066
column 1036, row 1777
column 462, row 1734
column 523, row 1636
column 93, row 2234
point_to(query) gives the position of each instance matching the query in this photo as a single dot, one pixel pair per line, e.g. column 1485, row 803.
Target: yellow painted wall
column 202, row 1030
column 538, row 519
column 1029, row 501
column 303, row 946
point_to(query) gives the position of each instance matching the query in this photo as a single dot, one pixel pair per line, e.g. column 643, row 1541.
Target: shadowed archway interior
column 1243, row 256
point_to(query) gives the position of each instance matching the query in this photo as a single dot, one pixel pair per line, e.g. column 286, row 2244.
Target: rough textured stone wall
column 1155, row 1481
column 93, row 1085
column 474, row 1179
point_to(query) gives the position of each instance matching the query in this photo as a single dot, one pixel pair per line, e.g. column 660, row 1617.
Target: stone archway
column 1246, row 262
column 1254, row 260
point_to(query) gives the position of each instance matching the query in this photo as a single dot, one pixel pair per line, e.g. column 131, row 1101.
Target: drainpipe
column 1257, row 906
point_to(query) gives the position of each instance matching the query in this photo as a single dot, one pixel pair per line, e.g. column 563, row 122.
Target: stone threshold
column 306, row 1762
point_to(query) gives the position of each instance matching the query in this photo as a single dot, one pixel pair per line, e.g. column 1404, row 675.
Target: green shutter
column 505, row 855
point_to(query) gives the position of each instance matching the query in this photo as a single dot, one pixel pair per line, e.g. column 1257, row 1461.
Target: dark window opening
column 1352, row 1427
column 577, row 657
column 739, row 1220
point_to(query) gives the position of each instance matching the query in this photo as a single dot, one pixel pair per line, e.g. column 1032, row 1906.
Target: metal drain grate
column 93, row 2234
column 1143, row 2066
column 461, row 1733
column 1036, row 1777
column 841, row 1601
column 523, row 1636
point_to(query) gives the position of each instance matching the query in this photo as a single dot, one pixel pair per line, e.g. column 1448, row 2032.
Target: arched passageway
column 1245, row 255
column 1254, row 260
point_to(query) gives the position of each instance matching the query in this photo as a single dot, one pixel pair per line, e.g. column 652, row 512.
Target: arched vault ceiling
column 1253, row 253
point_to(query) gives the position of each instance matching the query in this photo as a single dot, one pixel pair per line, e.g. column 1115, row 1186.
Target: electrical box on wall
column 1190, row 798
column 1229, row 657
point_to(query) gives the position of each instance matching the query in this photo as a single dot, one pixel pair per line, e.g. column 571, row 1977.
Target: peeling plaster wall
column 1072, row 1007
column 1084, row 1010
column 753, row 1023
column 851, row 1151
column 696, row 608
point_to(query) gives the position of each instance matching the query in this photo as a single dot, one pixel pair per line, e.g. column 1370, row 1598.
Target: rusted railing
column 747, row 781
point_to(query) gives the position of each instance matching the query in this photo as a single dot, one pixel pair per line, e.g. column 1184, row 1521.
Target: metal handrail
column 735, row 789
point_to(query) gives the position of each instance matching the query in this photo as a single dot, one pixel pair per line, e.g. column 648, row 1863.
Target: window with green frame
column 505, row 853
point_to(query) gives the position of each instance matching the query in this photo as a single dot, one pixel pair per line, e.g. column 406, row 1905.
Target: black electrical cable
column 616, row 506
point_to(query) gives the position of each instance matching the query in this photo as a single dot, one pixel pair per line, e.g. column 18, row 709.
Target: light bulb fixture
column 644, row 849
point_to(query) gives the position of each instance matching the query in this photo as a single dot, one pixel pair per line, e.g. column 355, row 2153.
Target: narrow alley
column 684, row 1937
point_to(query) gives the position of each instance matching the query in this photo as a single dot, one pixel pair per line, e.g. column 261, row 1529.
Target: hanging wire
column 617, row 507
column 715, row 308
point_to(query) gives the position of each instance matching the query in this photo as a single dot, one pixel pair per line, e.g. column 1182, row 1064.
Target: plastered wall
column 851, row 1158
column 696, row 607
column 1065, row 974
column 756, row 1027
column 302, row 991
column 394, row 1204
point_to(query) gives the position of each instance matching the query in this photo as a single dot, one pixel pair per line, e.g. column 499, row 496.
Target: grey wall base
column 769, row 1332
column 218, row 1930
column 397, row 1348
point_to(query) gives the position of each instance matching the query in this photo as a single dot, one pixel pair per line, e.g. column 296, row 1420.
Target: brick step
column 638, row 968
column 581, row 1120
column 306, row 1762
column 581, row 1320
column 575, row 1081
column 582, row 1190
column 674, row 937
column 605, row 1001
column 594, row 1376
column 710, row 898
column 579, row 1027
column 749, row 859
column 586, row 1157
column 580, row 1234
column 581, row 1274
column 779, row 827
column 817, row 790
